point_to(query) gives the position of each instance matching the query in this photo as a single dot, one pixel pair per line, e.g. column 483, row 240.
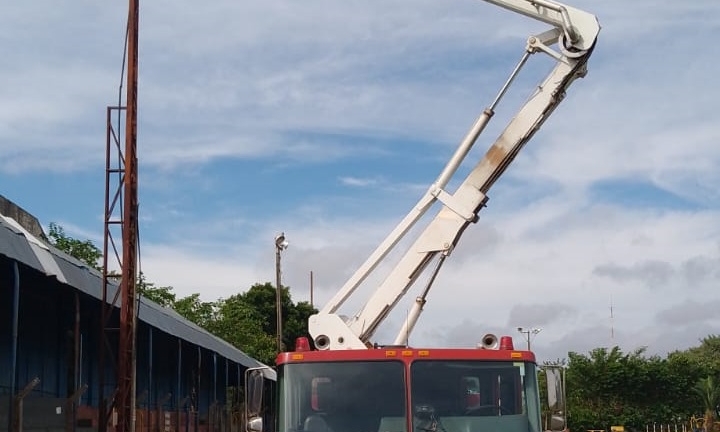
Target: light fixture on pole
column 527, row 332
column 281, row 244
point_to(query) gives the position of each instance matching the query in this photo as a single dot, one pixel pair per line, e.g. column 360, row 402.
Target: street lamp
column 527, row 332
column 281, row 244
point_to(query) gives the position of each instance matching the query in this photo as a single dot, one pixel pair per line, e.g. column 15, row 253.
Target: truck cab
column 401, row 389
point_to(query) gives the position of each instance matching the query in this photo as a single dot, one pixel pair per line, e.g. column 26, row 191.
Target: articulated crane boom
column 570, row 42
column 348, row 384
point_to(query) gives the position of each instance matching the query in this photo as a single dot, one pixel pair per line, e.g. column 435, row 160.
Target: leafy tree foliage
column 706, row 356
column 608, row 387
column 84, row 250
column 160, row 295
column 247, row 320
column 296, row 322
column 237, row 322
column 261, row 297
column 708, row 391
column 87, row 252
column 194, row 309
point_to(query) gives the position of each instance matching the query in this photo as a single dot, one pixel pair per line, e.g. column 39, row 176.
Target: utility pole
column 528, row 332
column 280, row 245
column 312, row 304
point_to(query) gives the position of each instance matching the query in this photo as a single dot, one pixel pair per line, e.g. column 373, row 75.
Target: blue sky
column 328, row 120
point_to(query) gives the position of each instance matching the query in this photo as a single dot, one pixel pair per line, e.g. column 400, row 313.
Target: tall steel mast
column 121, row 209
column 128, row 307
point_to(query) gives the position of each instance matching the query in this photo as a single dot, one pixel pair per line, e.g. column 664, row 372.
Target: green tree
column 609, row 387
column 247, row 320
column 296, row 322
column 262, row 298
column 241, row 325
column 199, row 312
column 85, row 250
column 683, row 371
column 706, row 356
column 160, row 295
column 708, row 391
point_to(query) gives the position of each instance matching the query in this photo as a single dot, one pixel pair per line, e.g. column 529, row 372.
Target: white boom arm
column 574, row 32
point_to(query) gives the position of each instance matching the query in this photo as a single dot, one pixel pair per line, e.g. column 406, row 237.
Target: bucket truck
column 346, row 383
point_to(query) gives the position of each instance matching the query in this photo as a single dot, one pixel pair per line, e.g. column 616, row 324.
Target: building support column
column 150, row 376
column 14, row 343
column 179, row 373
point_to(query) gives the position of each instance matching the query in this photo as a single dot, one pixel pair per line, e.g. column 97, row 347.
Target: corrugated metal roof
column 18, row 244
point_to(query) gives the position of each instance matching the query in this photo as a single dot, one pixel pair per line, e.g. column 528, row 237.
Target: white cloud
column 358, row 182
column 229, row 80
column 549, row 266
column 283, row 85
column 219, row 275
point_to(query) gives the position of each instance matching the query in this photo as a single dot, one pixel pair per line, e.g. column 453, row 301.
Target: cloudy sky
column 328, row 120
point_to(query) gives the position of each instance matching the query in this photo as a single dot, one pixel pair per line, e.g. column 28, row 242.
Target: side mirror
column 253, row 392
column 255, row 424
column 557, row 422
column 254, row 386
column 555, row 389
column 555, row 376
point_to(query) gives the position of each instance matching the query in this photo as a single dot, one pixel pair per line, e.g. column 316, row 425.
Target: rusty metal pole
column 71, row 404
column 128, row 308
column 102, row 402
column 18, row 404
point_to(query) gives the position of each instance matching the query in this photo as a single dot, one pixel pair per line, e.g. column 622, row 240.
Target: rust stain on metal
column 496, row 155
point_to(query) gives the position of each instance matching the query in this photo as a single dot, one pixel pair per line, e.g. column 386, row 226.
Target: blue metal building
column 50, row 330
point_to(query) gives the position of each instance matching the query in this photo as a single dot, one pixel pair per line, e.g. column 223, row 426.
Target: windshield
column 342, row 396
column 446, row 396
column 482, row 396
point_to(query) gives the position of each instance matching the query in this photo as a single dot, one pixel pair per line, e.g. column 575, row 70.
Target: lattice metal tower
column 121, row 210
